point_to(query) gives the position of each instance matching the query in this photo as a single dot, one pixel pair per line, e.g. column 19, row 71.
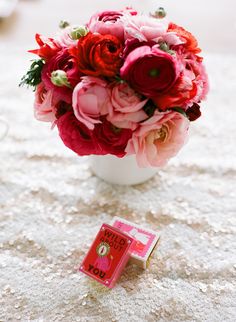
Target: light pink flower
column 144, row 28
column 159, row 138
column 107, row 22
column 200, row 79
column 90, row 100
column 170, row 38
column 63, row 38
column 45, row 104
column 127, row 107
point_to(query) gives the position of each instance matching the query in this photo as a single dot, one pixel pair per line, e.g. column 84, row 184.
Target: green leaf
column 119, row 79
column 33, row 77
column 149, row 108
column 179, row 110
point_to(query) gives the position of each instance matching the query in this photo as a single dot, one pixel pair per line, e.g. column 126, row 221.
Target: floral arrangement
column 125, row 83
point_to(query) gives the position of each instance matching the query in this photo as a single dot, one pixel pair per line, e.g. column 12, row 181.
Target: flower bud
column 159, row 13
column 78, row 32
column 59, row 78
column 164, row 46
column 63, row 24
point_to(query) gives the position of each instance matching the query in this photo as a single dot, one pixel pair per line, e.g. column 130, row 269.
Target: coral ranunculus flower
column 48, row 47
column 98, row 55
column 191, row 43
column 45, row 104
column 159, row 138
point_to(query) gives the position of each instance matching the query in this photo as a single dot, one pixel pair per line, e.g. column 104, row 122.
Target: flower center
column 161, row 134
column 154, row 72
column 115, row 130
column 112, row 48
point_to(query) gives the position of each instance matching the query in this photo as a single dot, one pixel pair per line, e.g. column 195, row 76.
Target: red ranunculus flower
column 191, row 43
column 62, row 61
column 150, row 71
column 132, row 44
column 48, row 47
column 110, row 139
column 183, row 91
column 98, row 55
column 104, row 139
column 75, row 135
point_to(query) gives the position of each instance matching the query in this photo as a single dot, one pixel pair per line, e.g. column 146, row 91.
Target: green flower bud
column 78, row 32
column 164, row 46
column 171, row 52
column 159, row 13
column 63, row 24
column 59, row 78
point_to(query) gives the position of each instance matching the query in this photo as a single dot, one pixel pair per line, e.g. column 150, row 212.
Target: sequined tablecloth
column 51, row 207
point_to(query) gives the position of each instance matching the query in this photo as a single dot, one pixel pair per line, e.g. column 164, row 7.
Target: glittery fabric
column 51, row 207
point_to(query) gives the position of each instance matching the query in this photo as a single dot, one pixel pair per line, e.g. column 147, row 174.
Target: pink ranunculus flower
column 144, row 28
column 107, row 22
column 131, row 11
column 90, row 100
column 150, row 71
column 159, row 138
column 63, row 38
column 45, row 104
column 127, row 107
column 200, row 79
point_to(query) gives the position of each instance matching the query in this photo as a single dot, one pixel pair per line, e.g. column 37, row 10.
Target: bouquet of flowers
column 124, row 83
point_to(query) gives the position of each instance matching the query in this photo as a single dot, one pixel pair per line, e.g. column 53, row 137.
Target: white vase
column 122, row 171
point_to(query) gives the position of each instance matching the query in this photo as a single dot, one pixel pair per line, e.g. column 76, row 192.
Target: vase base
column 121, row 171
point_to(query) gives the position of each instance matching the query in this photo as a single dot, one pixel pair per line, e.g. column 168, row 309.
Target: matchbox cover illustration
column 108, row 255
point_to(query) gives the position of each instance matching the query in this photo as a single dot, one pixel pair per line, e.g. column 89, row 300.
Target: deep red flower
column 98, row 55
column 110, row 139
column 75, row 135
column 182, row 92
column 150, row 71
column 47, row 47
column 62, row 61
column 62, row 108
column 132, row 44
column 104, row 139
column 193, row 112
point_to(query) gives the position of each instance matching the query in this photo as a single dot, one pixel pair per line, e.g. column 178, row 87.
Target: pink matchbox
column 145, row 240
column 108, row 255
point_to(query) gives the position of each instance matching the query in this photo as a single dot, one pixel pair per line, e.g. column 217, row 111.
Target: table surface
column 51, row 207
